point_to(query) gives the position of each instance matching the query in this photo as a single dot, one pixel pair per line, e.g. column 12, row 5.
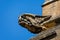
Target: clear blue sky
column 9, row 12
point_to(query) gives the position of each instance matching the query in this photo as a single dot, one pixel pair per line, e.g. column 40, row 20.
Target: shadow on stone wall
column 50, row 37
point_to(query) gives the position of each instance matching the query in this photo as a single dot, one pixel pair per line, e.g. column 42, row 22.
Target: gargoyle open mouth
column 32, row 22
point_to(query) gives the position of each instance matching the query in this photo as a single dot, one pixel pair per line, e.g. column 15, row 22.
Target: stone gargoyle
column 36, row 23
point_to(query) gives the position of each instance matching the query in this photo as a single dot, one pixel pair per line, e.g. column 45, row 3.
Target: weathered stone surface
column 58, row 35
column 52, row 9
column 54, row 36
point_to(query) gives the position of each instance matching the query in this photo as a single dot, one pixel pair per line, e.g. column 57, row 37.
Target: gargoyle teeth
column 25, row 19
column 28, row 22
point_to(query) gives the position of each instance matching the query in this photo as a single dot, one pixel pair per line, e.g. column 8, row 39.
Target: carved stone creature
column 35, row 23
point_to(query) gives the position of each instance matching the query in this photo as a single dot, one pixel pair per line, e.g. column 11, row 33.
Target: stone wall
column 52, row 9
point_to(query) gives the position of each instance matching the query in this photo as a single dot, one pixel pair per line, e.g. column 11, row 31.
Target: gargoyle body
column 36, row 24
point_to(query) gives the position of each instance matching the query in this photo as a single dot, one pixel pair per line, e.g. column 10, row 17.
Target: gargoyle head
column 32, row 22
